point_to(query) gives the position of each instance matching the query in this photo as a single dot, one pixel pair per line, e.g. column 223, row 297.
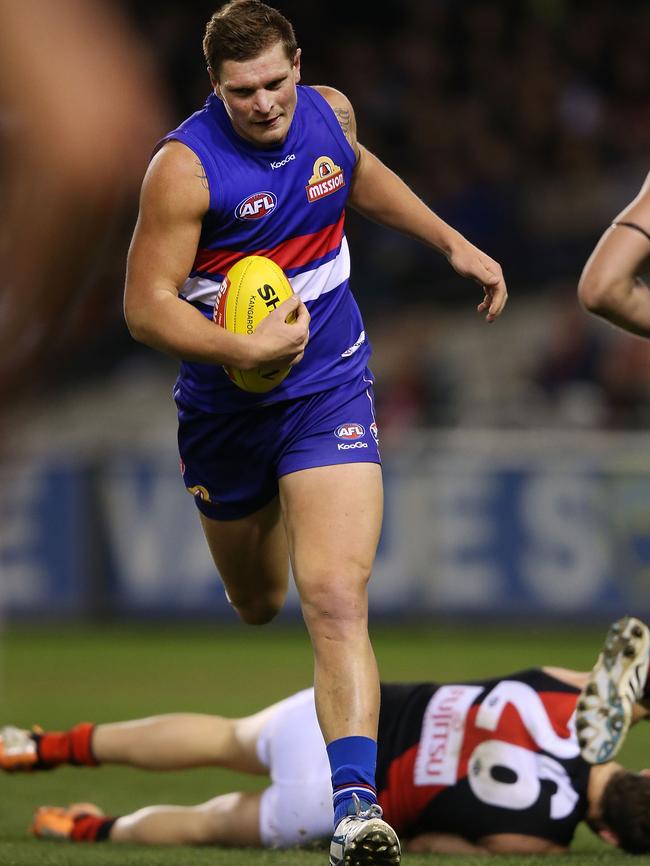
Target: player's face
column 259, row 95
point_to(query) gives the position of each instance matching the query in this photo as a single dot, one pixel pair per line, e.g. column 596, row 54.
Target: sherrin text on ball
column 253, row 287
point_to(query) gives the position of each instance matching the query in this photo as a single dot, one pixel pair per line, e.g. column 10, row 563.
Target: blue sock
column 353, row 761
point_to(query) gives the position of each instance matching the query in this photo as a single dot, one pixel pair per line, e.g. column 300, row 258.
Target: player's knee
column 257, row 615
column 258, row 611
column 336, row 609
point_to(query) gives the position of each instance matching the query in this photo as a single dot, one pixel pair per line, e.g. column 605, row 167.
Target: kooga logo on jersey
column 256, row 206
column 282, row 162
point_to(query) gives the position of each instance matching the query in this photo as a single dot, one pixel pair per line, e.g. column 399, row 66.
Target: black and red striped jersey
column 483, row 757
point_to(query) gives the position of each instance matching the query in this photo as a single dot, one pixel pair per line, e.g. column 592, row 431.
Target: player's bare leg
column 229, row 820
column 173, row 741
column 182, row 740
column 170, row 742
column 252, row 558
column 333, row 519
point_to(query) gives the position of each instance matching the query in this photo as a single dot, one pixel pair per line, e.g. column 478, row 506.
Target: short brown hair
column 625, row 809
column 243, row 29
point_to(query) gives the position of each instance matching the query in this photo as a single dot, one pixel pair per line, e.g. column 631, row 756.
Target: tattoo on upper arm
column 343, row 117
column 202, row 175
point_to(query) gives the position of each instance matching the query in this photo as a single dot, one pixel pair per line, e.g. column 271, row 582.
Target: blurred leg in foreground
column 79, row 110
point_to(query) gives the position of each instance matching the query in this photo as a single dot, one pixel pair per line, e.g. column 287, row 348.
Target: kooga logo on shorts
column 256, row 206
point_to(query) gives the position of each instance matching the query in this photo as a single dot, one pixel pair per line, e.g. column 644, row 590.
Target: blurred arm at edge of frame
column 611, row 285
column 81, row 111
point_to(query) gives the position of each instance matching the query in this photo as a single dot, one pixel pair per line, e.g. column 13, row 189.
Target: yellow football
column 254, row 286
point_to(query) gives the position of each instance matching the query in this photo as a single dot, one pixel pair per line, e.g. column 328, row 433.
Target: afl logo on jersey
column 256, row 206
column 327, row 178
column 351, row 430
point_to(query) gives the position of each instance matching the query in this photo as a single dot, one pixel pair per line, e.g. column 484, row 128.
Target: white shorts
column 297, row 807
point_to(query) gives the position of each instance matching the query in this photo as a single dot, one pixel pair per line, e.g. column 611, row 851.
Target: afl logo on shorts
column 350, row 431
column 256, row 206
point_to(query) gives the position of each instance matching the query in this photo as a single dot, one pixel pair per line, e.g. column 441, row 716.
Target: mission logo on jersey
column 327, row 177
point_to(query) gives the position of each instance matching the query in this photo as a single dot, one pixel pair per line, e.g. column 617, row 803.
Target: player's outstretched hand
column 469, row 261
column 282, row 336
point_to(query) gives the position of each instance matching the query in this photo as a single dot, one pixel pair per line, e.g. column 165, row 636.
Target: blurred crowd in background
column 524, row 123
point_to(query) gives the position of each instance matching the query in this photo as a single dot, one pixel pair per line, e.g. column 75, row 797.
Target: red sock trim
column 81, row 744
column 68, row 747
column 89, row 828
column 54, row 748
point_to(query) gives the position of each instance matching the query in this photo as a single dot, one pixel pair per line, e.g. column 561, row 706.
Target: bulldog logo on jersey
column 327, row 177
column 199, row 492
column 256, row 206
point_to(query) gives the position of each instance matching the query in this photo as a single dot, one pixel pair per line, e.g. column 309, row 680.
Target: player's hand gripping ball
column 252, row 289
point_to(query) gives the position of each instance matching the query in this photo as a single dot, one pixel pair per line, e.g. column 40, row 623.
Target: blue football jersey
column 288, row 203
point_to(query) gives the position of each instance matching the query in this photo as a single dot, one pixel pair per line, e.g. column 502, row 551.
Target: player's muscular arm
column 500, row 843
column 342, row 108
column 442, row 843
column 610, row 285
column 515, row 843
column 173, row 202
column 380, row 195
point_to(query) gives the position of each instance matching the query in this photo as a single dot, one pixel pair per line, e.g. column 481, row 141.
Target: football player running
column 268, row 166
column 490, row 766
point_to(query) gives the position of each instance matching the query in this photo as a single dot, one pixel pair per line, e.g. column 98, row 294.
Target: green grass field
column 59, row 676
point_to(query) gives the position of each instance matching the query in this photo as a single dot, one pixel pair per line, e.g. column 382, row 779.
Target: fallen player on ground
column 507, row 765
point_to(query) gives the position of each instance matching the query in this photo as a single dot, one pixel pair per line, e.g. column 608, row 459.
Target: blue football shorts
column 231, row 462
